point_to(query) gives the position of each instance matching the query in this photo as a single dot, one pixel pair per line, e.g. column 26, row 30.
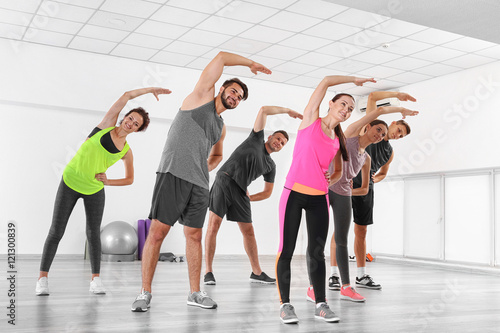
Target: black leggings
column 65, row 202
column 316, row 207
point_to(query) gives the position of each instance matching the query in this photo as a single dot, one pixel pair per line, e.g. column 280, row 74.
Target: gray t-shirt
column 350, row 168
column 189, row 141
column 249, row 161
column 380, row 153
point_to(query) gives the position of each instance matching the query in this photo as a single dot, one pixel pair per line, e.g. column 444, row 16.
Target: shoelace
column 142, row 296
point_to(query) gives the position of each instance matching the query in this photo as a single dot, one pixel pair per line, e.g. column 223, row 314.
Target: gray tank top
column 350, row 168
column 189, row 141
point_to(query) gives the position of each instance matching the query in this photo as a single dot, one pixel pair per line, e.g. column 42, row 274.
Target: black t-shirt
column 380, row 153
column 249, row 161
column 106, row 141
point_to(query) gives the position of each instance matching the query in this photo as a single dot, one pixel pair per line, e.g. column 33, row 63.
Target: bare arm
column 378, row 95
column 337, row 169
column 204, row 90
column 355, row 128
column 266, row 193
column 380, row 175
column 260, row 121
column 311, row 112
column 111, row 117
column 365, row 176
column 128, row 161
column 215, row 156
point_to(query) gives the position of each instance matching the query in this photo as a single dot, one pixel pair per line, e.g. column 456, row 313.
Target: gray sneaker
column 324, row 312
column 141, row 303
column 42, row 287
column 287, row 314
column 201, row 299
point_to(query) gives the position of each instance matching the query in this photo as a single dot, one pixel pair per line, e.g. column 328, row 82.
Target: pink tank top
column 312, row 155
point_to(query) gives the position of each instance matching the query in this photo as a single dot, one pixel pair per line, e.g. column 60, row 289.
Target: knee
column 213, row 226
column 340, row 241
column 193, row 234
column 247, row 230
column 360, row 231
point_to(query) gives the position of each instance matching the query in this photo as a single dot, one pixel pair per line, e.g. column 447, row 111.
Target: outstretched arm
column 204, row 90
column 365, row 176
column 378, row 95
column 355, row 128
column 215, row 156
column 260, row 121
column 380, row 175
column 266, row 193
column 311, row 112
column 111, row 116
column 128, row 161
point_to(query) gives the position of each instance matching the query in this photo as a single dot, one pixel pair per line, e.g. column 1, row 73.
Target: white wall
column 50, row 99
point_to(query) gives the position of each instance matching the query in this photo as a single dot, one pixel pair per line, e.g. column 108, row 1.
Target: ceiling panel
column 300, row 40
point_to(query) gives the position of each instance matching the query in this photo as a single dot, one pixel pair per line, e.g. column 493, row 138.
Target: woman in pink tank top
column 319, row 141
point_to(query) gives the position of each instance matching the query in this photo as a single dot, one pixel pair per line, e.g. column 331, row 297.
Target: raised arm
column 355, row 128
column 311, row 112
column 204, row 90
column 215, row 156
column 260, row 121
column 111, row 117
column 378, row 95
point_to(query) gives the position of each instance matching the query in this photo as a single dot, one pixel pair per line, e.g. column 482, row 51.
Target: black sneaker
column 262, row 278
column 366, row 281
column 334, row 283
column 209, row 278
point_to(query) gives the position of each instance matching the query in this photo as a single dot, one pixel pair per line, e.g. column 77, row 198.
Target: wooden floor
column 413, row 299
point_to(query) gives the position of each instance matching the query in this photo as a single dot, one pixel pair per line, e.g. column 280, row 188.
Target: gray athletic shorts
column 227, row 198
column 176, row 199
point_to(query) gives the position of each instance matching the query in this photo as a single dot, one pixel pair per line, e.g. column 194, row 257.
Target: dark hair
column 285, row 134
column 379, row 122
column 143, row 114
column 243, row 86
column 405, row 124
column 336, row 97
column 343, row 149
column 338, row 130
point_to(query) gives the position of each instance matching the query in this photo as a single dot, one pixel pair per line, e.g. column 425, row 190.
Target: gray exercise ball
column 118, row 242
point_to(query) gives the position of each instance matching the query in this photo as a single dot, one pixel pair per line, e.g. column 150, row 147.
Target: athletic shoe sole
column 347, row 298
column 262, row 282
column 42, row 294
column 211, row 283
column 329, row 320
column 201, row 305
column 367, row 287
column 139, row 309
column 309, row 299
column 290, row 321
column 334, row 288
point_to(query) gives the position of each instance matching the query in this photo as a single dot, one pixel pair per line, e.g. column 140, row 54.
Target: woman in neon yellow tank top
column 85, row 176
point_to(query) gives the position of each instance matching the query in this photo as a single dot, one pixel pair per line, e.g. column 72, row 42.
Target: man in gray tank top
column 193, row 148
column 229, row 195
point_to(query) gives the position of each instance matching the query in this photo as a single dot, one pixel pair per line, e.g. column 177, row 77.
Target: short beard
column 224, row 102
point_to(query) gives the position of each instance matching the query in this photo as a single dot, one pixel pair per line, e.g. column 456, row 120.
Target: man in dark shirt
column 229, row 195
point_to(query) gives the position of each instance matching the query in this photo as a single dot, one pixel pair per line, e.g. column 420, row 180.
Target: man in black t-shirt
column 229, row 195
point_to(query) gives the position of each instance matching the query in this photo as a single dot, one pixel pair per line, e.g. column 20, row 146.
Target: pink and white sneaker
column 349, row 293
column 310, row 295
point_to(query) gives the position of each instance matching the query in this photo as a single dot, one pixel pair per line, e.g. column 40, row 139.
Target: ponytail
column 343, row 149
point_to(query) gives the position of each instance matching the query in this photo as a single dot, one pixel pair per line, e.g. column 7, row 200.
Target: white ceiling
column 300, row 40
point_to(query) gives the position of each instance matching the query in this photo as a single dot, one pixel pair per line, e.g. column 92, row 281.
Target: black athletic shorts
column 176, row 199
column 362, row 208
column 226, row 197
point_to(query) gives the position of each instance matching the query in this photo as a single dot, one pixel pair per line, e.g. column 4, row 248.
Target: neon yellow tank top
column 90, row 159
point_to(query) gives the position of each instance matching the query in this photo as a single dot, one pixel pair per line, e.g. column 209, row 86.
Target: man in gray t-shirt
column 229, row 195
column 193, row 148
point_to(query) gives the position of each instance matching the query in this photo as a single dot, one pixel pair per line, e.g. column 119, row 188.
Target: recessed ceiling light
column 117, row 22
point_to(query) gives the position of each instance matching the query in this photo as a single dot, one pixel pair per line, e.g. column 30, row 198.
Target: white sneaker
column 97, row 287
column 42, row 287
